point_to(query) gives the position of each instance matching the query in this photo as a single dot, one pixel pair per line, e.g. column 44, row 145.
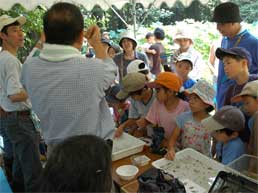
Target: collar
column 57, row 53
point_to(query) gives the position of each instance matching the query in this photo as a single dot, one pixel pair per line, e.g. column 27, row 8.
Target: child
column 157, row 49
column 150, row 40
column 188, row 124
column 138, row 66
column 134, row 85
column 226, row 125
column 249, row 95
column 167, row 105
column 236, row 62
column 184, row 39
column 120, row 107
column 183, row 67
column 113, row 50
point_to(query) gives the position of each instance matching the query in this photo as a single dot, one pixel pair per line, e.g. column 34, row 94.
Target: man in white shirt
column 15, row 119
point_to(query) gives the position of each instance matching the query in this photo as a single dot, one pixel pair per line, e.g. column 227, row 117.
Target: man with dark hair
column 15, row 119
column 227, row 16
column 159, row 49
column 67, row 90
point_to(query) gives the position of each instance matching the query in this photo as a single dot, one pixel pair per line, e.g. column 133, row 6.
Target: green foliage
column 248, row 9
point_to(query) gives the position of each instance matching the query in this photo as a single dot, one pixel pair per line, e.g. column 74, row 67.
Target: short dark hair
column 227, row 131
column 78, row 164
column 63, row 23
column 148, row 35
column 159, row 33
column 209, row 109
column 4, row 30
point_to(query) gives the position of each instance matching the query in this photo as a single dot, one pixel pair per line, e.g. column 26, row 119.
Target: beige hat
column 130, row 83
column 250, row 89
column 183, row 33
column 6, row 20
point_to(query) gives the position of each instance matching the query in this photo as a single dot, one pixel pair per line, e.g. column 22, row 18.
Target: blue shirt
column 230, row 151
column 189, row 83
column 250, row 43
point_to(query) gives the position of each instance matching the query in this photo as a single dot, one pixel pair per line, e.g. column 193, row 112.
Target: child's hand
column 119, row 131
column 170, row 154
column 141, row 123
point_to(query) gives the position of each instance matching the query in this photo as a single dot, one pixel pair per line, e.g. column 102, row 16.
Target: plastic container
column 140, row 160
column 192, row 165
column 125, row 146
column 127, row 172
column 246, row 166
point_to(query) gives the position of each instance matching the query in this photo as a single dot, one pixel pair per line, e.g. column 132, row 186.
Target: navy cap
column 111, row 94
column 105, row 41
column 236, row 51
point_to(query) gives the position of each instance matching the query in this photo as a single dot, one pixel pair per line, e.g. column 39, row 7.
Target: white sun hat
column 137, row 66
column 6, row 20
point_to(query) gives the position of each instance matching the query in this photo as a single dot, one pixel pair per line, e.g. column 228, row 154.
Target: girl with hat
column 167, row 105
column 128, row 43
column 184, row 39
column 188, row 128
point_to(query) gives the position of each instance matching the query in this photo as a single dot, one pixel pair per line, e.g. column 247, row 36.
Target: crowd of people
column 84, row 100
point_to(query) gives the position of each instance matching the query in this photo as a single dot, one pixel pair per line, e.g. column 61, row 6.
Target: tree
column 248, row 10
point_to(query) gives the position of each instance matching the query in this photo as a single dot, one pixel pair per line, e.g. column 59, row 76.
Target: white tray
column 125, row 146
column 191, row 165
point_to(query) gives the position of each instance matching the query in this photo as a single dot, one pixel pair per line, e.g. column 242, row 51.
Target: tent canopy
column 89, row 4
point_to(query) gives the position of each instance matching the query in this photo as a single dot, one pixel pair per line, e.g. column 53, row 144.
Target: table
column 125, row 161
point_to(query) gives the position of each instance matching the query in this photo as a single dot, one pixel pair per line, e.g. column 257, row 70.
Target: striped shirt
column 67, row 93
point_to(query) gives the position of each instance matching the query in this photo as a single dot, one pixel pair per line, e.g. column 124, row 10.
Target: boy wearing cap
column 183, row 67
column 113, row 50
column 189, row 131
column 15, row 119
column 134, row 85
column 225, row 126
column 227, row 16
column 249, row 96
column 128, row 43
column 120, row 107
column 236, row 63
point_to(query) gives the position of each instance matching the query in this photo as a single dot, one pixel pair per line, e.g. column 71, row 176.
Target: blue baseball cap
column 236, row 51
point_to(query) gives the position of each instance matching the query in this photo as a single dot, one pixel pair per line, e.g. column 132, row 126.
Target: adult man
column 228, row 19
column 15, row 107
column 66, row 89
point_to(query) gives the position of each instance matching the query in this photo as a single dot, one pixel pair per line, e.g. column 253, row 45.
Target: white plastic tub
column 125, row 146
column 193, row 166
